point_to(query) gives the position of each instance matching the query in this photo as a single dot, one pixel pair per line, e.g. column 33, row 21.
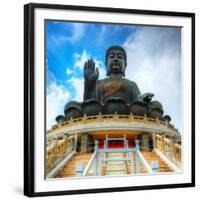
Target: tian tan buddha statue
column 113, row 95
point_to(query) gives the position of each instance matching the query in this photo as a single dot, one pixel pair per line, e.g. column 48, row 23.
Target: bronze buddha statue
column 115, row 85
column 113, row 94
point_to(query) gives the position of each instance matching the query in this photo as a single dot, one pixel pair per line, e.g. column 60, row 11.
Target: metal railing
column 90, row 163
column 100, row 156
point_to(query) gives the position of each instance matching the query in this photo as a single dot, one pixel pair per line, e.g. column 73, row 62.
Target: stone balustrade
column 111, row 122
column 170, row 147
column 56, row 150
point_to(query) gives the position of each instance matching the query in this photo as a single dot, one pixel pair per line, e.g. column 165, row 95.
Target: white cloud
column 154, row 64
column 69, row 71
column 57, row 96
column 102, row 69
column 80, row 59
column 77, row 31
column 102, row 34
column 103, row 31
column 78, row 84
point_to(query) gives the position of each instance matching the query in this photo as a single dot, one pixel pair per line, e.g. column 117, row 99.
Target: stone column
column 162, row 141
column 71, row 144
column 84, row 142
column 144, row 142
column 173, row 149
column 75, row 142
column 177, row 154
column 154, row 140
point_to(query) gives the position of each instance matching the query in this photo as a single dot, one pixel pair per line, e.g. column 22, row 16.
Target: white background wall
column 11, row 98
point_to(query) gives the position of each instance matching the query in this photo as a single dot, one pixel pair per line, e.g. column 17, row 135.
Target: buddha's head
column 116, row 61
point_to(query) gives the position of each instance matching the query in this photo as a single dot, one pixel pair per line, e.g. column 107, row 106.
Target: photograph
column 108, row 99
column 110, row 109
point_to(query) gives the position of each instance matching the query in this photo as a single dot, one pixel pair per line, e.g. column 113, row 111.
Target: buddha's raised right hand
column 91, row 73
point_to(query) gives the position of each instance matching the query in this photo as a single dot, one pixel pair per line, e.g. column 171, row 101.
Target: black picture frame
column 29, row 98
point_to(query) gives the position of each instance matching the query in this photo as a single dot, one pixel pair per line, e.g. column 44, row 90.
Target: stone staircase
column 69, row 169
column 128, row 166
column 116, row 167
column 151, row 156
column 112, row 167
column 120, row 167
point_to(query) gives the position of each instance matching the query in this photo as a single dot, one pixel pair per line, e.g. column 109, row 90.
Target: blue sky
column 154, row 61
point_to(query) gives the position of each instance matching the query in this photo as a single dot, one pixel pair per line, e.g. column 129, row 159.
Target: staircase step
column 112, row 167
column 69, row 169
column 116, row 172
column 151, row 157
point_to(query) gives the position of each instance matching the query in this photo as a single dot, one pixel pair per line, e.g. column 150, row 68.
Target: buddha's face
column 116, row 61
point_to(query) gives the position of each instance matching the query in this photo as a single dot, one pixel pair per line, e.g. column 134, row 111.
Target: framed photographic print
column 108, row 99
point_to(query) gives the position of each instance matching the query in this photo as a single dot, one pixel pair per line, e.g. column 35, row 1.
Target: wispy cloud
column 78, row 83
column 57, row 96
column 69, row 71
column 77, row 33
column 102, row 69
column 154, row 64
column 74, row 32
column 78, row 86
column 80, row 59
